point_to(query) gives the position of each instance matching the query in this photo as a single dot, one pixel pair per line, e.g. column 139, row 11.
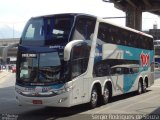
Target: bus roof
column 99, row 19
column 67, row 14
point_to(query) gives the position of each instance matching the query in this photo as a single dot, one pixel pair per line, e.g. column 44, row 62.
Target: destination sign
column 29, row 55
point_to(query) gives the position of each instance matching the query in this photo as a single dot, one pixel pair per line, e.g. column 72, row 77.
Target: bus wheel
column 94, row 98
column 105, row 96
column 144, row 86
column 140, row 88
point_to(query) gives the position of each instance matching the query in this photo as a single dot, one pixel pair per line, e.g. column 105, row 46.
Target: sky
column 15, row 13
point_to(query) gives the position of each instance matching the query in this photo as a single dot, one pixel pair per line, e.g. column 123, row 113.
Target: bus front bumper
column 61, row 100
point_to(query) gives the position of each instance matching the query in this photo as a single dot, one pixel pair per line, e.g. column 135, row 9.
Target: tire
column 144, row 86
column 94, row 98
column 105, row 96
column 140, row 88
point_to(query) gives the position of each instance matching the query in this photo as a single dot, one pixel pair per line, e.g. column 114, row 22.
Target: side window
column 134, row 70
column 151, row 46
column 110, row 34
column 101, row 69
column 115, row 35
column 133, row 40
column 116, row 70
column 84, row 29
column 126, row 70
column 104, row 33
column 120, row 70
column 79, row 59
column 123, row 36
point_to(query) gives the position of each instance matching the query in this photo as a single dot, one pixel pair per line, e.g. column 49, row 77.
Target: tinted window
column 44, row 67
column 134, row 70
column 34, row 30
column 101, row 69
column 84, row 29
column 79, row 59
column 47, row 30
column 115, row 35
column 120, row 70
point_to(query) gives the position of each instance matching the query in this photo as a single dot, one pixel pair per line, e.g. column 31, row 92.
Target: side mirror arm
column 68, row 48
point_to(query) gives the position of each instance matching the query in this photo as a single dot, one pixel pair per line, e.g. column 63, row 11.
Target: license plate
column 37, row 101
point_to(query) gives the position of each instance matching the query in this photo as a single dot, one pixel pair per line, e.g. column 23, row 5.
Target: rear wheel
column 94, row 98
column 105, row 96
column 140, row 88
column 144, row 86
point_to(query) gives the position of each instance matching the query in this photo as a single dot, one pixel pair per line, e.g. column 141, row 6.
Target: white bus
column 156, row 43
column 69, row 59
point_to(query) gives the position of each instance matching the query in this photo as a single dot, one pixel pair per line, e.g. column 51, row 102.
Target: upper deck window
column 84, row 28
column 47, row 30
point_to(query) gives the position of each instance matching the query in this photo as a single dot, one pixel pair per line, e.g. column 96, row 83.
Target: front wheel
column 94, row 98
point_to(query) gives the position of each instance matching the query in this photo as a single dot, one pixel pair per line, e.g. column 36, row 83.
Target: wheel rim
column 145, row 86
column 94, row 97
column 106, row 94
column 139, row 88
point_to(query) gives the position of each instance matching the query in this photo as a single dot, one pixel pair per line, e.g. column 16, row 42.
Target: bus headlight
column 62, row 100
column 60, row 91
column 18, row 90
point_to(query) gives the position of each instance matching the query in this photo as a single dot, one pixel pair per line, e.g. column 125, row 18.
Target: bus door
column 79, row 62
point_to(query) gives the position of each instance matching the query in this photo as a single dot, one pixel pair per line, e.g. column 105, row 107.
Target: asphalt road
column 125, row 106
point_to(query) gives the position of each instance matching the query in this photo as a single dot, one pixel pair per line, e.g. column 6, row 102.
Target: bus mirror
column 68, row 49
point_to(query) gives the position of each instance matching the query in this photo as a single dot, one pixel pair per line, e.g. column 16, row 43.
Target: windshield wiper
column 51, row 70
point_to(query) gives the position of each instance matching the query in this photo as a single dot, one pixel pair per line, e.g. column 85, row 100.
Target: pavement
column 2, row 75
column 157, row 82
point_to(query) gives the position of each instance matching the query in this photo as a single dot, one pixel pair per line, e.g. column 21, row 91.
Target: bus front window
column 41, row 68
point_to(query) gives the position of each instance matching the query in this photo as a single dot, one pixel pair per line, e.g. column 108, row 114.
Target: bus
column 156, row 43
column 157, row 56
column 69, row 59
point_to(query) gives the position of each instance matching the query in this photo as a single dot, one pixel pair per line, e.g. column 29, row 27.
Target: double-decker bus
column 69, row 59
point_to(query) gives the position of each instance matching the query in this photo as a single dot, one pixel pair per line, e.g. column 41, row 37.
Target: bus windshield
column 47, row 30
column 47, row 67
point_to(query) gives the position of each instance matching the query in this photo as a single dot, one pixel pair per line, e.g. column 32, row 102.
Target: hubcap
column 106, row 94
column 140, row 88
column 145, row 86
column 94, row 97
